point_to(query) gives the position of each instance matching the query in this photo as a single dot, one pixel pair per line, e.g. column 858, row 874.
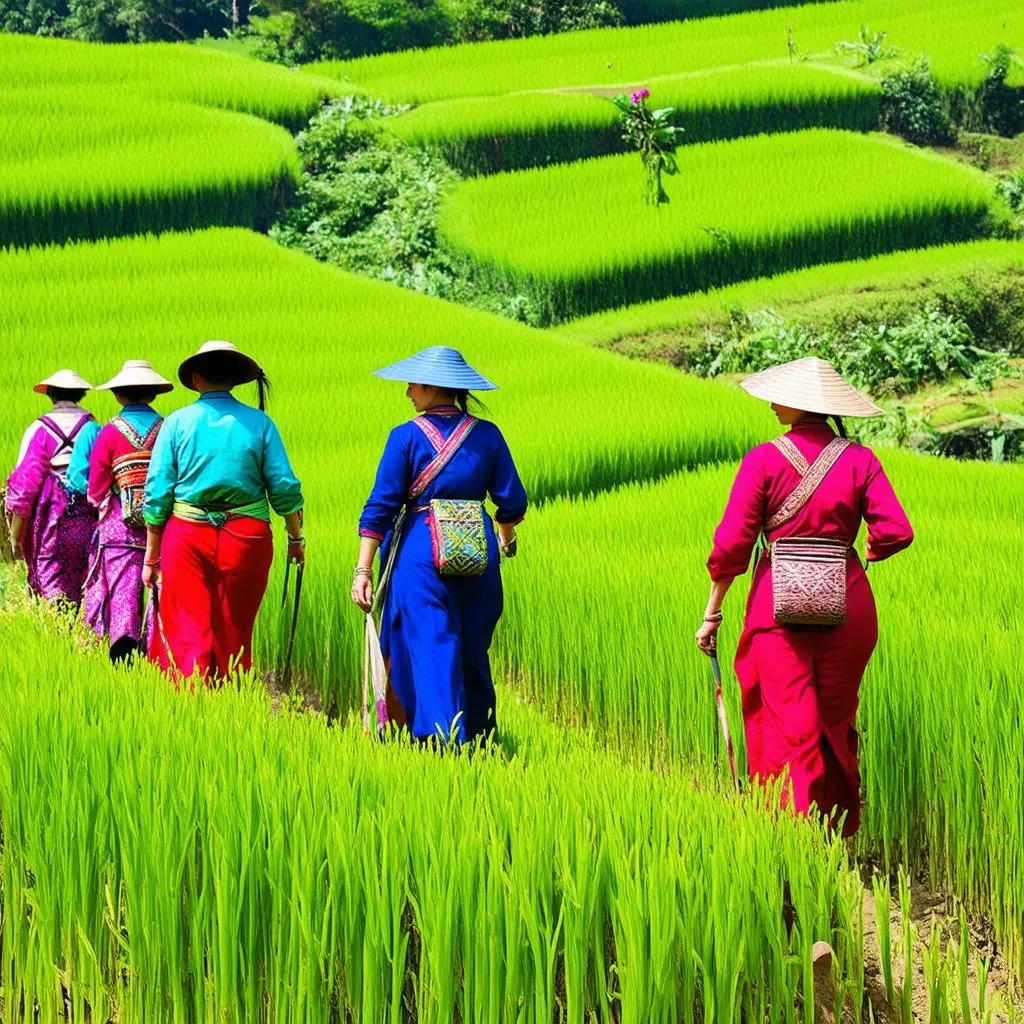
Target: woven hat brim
column 248, row 367
column 66, row 379
column 416, row 371
column 810, row 390
column 154, row 382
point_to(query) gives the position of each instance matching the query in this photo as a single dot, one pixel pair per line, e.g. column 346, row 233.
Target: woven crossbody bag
column 808, row 573
column 459, row 537
column 130, row 470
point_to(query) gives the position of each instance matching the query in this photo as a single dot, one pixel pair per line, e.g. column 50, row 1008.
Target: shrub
column 914, row 106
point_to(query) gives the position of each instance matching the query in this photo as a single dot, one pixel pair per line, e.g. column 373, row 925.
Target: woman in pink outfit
column 800, row 683
column 51, row 526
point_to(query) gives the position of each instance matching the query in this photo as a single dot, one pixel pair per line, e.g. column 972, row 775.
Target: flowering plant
column 654, row 135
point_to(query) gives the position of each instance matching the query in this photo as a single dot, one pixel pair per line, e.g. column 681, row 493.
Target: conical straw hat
column 248, row 368
column 137, row 373
column 440, row 367
column 812, row 385
column 66, row 379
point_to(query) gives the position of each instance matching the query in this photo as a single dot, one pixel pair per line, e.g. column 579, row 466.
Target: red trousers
column 212, row 582
column 801, row 687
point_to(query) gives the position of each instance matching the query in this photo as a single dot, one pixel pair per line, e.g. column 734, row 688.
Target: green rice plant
column 84, row 162
column 98, row 141
column 951, row 32
column 577, row 420
column 483, row 135
column 806, row 291
column 190, row 857
column 578, row 238
column 164, row 72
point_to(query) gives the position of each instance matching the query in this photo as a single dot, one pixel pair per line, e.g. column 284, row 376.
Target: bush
column 929, row 347
column 914, row 106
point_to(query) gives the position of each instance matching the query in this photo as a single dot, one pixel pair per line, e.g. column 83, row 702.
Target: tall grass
column 85, row 162
column 952, row 32
column 579, row 238
column 854, row 281
column 185, row 858
column 483, row 135
column 162, row 71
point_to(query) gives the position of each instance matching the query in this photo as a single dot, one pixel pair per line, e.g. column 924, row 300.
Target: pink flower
column 639, row 96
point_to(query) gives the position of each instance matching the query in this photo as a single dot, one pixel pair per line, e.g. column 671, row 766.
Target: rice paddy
column 579, row 237
column 198, row 858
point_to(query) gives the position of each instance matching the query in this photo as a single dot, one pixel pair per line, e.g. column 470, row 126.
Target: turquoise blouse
column 139, row 415
column 219, row 453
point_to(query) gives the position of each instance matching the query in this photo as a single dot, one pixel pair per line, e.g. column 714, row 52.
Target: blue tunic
column 437, row 629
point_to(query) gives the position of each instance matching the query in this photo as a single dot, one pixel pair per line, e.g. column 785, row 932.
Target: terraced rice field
column 195, row 858
column 579, row 237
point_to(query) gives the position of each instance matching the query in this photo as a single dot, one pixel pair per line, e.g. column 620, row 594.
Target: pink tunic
column 113, row 587
column 59, row 527
column 800, row 684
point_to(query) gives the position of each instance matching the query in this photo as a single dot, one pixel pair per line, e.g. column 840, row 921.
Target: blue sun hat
column 440, row 367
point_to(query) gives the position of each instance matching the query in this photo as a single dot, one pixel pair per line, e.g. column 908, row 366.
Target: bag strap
column 445, row 453
column 138, row 441
column 446, row 450
column 793, row 455
column 809, row 480
column 64, row 441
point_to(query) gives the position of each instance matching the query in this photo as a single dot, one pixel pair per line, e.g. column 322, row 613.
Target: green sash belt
column 259, row 509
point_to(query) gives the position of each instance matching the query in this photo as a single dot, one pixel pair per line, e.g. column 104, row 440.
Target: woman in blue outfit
column 436, row 629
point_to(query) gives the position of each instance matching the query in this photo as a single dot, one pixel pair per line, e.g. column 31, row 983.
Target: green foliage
column 307, row 30
column 915, row 106
column 869, row 46
column 654, row 136
column 740, row 209
column 369, row 203
column 1002, row 107
column 885, row 359
column 117, row 21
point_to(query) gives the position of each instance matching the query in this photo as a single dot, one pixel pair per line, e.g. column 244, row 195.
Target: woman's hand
column 150, row 574
column 507, row 539
column 17, row 531
column 297, row 551
column 362, row 591
column 707, row 637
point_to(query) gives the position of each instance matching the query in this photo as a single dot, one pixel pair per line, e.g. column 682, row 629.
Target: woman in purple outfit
column 118, row 466
column 51, row 528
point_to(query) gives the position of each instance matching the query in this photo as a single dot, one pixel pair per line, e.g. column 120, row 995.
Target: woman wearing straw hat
column 118, row 461
column 218, row 468
column 810, row 626
column 442, row 590
column 51, row 527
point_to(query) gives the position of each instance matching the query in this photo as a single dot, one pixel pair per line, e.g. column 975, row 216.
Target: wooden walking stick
column 723, row 719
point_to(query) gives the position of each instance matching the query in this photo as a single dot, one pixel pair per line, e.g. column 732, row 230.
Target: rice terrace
column 641, row 266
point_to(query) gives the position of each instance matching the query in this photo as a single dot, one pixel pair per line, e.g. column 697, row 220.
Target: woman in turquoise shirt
column 218, row 468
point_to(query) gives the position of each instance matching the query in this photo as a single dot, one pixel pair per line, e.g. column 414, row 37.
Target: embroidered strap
column 133, row 437
column 445, row 452
column 809, row 481
column 793, row 454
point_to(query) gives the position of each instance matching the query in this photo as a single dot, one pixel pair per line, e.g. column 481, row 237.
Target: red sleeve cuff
column 363, row 532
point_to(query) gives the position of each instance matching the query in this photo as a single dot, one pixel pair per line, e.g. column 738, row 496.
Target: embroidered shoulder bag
column 808, row 573
column 131, row 469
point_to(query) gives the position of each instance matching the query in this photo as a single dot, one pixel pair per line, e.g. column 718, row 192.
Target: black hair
column 840, row 425
column 221, row 369
column 65, row 394
column 137, row 393
column 462, row 400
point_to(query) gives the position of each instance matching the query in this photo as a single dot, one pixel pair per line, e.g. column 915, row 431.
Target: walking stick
column 722, row 717
column 286, row 676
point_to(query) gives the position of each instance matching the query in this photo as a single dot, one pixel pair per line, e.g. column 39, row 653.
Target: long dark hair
column 840, row 425
column 463, row 400
column 221, row 370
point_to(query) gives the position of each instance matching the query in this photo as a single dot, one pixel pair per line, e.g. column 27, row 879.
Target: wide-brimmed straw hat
column 248, row 369
column 440, row 367
column 811, row 385
column 68, row 380
column 137, row 373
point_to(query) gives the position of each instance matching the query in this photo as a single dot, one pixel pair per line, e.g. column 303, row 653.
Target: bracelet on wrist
column 363, row 570
column 297, row 540
column 713, row 617
column 152, row 565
